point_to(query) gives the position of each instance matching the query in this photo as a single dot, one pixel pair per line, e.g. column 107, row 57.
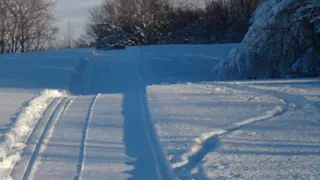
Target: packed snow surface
column 246, row 130
column 152, row 113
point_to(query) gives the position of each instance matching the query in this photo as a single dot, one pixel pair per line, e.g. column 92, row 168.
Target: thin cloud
column 75, row 11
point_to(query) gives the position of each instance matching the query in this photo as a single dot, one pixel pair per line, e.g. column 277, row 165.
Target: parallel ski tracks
column 85, row 131
column 39, row 138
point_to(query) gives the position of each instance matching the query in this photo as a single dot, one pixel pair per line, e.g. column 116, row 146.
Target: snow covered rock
column 282, row 32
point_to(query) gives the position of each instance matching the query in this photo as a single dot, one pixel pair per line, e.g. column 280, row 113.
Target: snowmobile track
column 37, row 141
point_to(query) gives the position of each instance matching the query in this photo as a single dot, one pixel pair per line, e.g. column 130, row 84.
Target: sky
column 75, row 11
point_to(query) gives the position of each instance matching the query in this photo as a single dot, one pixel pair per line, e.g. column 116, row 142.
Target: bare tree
column 3, row 27
column 25, row 24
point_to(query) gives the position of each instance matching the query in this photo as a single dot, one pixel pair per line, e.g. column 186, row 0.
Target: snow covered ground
column 240, row 130
column 151, row 113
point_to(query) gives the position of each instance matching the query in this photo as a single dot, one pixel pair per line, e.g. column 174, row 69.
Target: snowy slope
column 132, row 115
column 180, row 63
column 240, row 130
column 39, row 70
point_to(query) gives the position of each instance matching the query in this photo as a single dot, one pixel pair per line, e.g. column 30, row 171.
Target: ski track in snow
column 63, row 106
column 82, row 154
column 47, row 127
column 208, row 142
column 15, row 141
column 157, row 162
column 292, row 101
column 25, row 164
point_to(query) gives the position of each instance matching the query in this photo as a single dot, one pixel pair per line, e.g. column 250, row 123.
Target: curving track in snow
column 290, row 103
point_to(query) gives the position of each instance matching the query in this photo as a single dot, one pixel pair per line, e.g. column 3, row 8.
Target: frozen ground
column 152, row 113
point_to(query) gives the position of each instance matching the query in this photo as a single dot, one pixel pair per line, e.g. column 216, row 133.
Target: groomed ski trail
column 85, row 132
column 66, row 138
column 15, row 140
column 40, row 137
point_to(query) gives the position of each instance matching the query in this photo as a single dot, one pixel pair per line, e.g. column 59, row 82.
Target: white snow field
column 240, row 130
column 152, row 113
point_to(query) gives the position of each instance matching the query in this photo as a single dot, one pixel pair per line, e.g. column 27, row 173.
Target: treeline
column 144, row 22
column 26, row 25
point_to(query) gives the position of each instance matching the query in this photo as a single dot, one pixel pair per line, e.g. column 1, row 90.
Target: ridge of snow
column 15, row 140
column 164, row 169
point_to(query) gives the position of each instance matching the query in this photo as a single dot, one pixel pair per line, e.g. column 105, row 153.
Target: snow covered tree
column 228, row 20
column 166, row 21
column 282, row 40
column 144, row 19
column 141, row 20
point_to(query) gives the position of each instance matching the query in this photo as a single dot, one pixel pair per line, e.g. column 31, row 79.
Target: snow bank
column 15, row 140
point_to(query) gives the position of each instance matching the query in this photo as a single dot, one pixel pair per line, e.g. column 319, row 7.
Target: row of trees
column 164, row 21
column 26, row 25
